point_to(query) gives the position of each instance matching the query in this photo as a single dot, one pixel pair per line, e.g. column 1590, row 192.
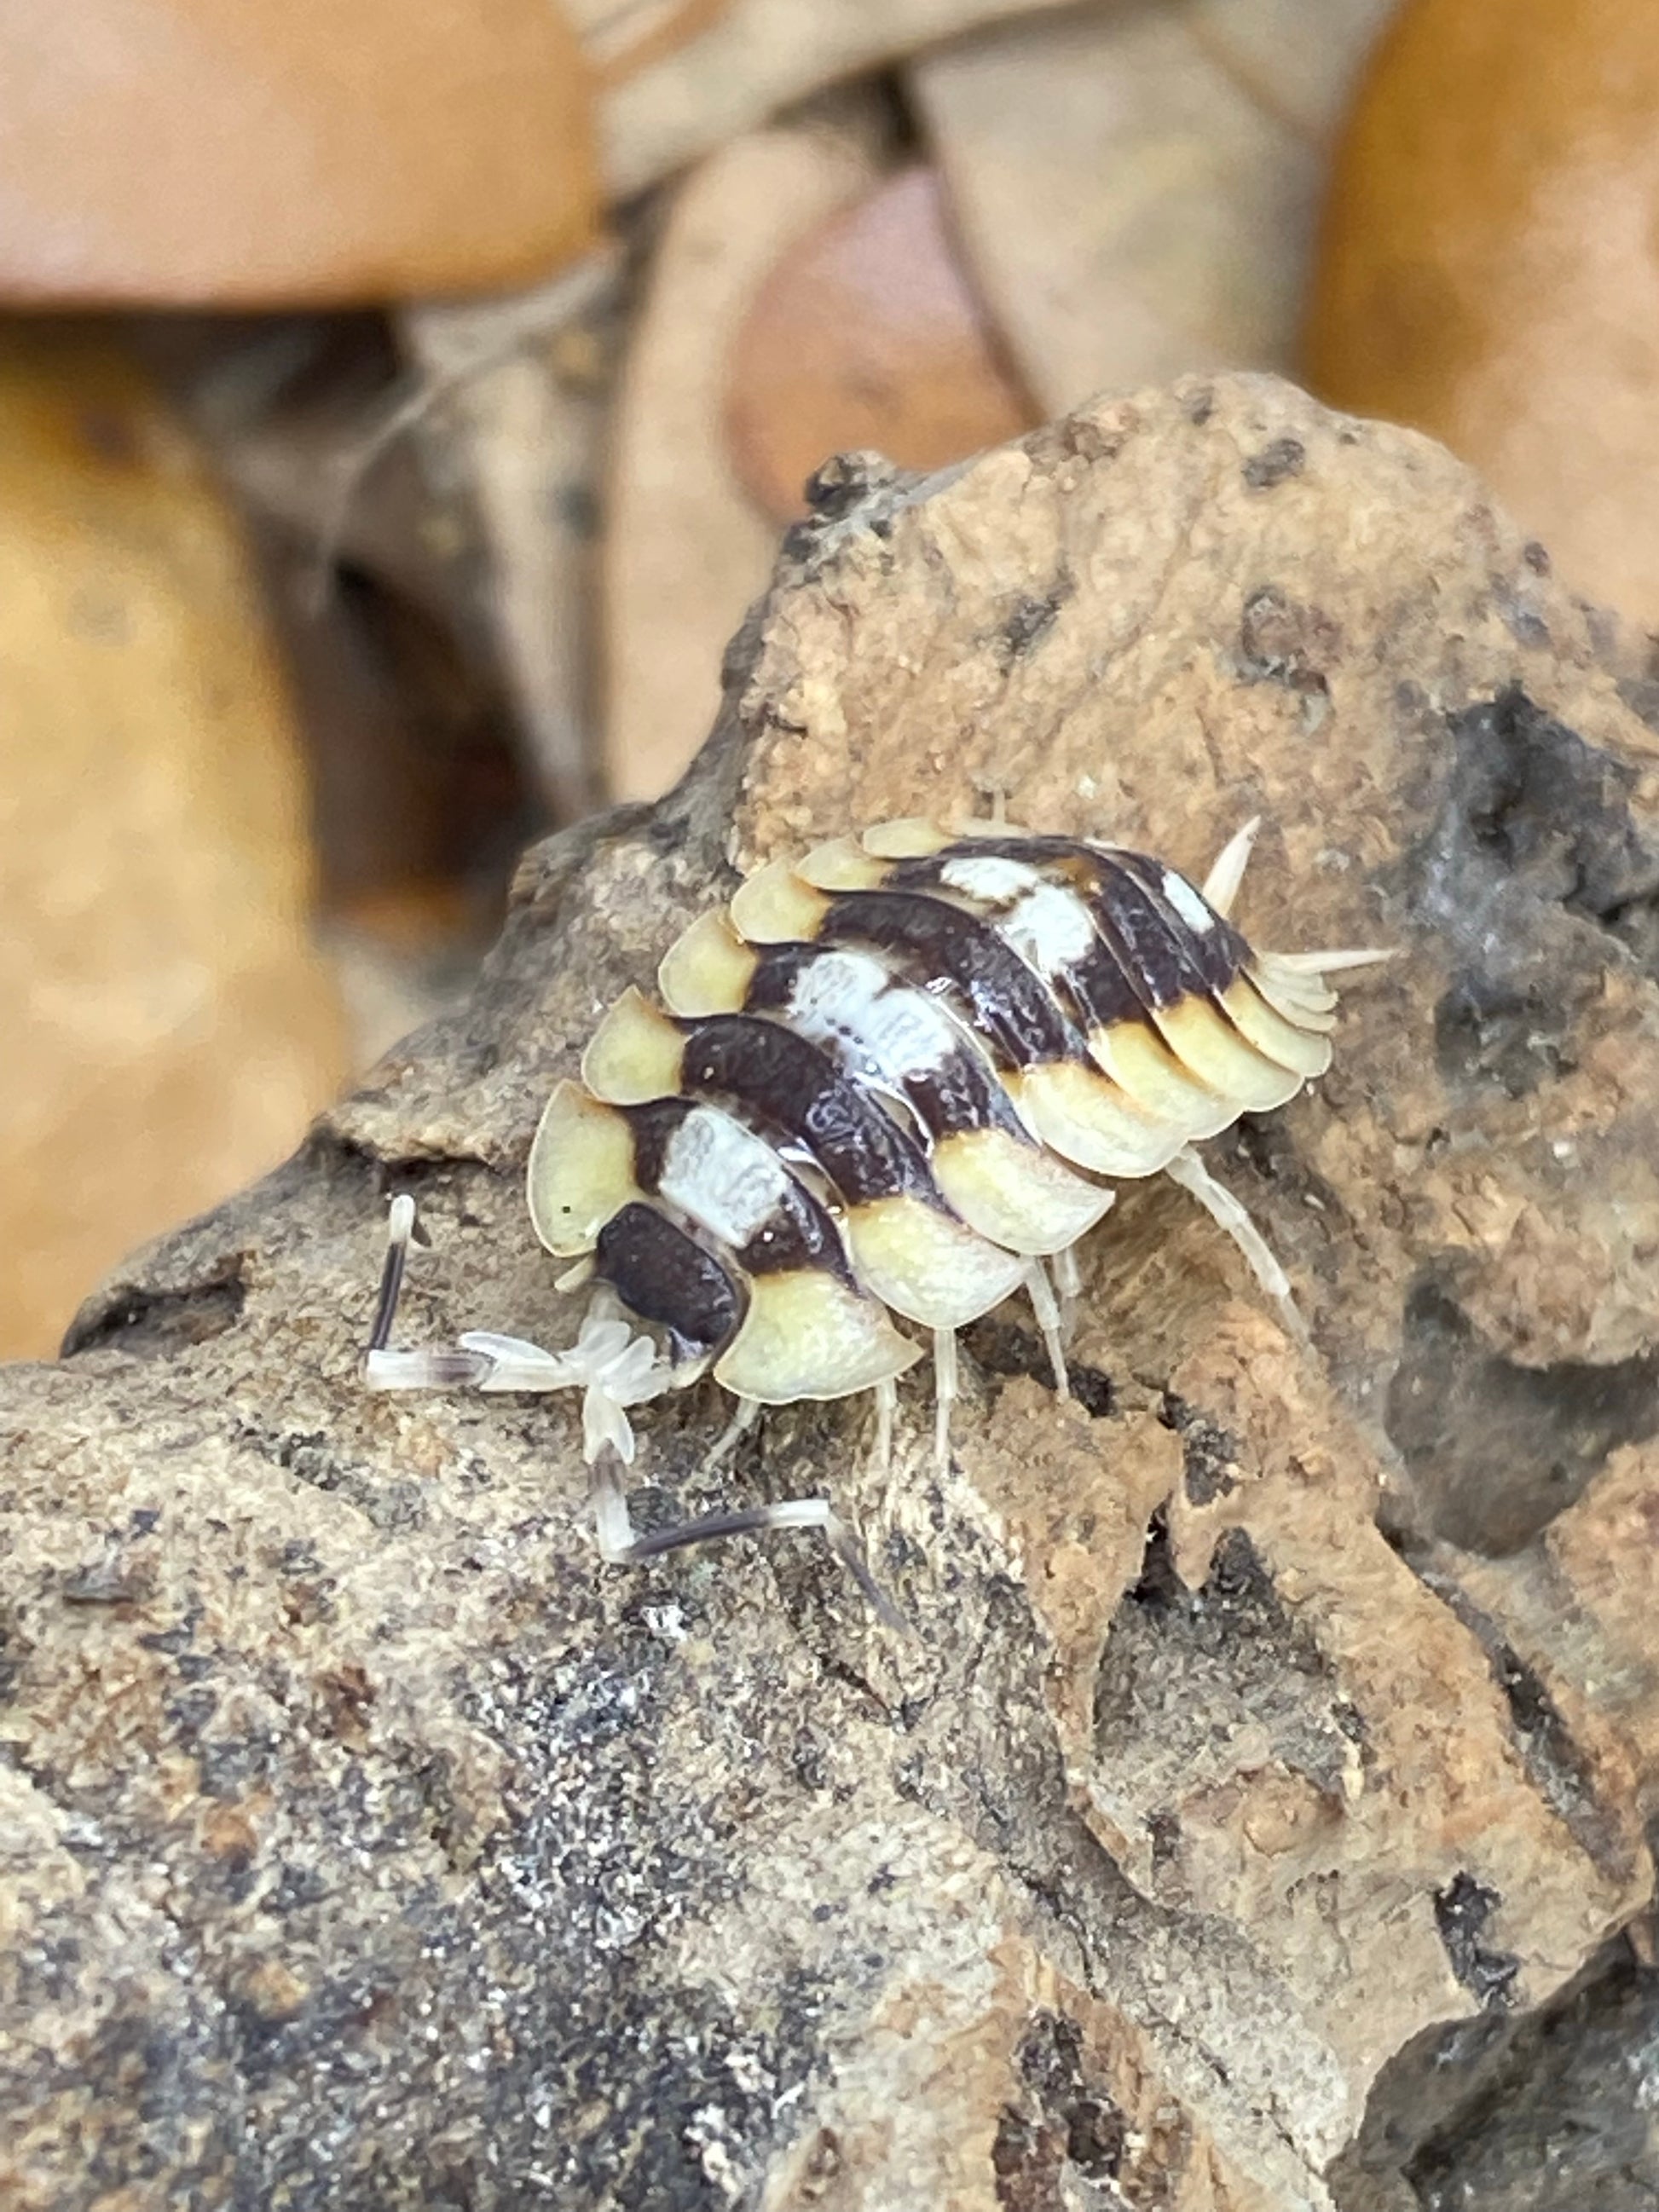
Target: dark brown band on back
column 1150, row 954
column 951, row 1097
column 1007, row 1003
column 785, row 1084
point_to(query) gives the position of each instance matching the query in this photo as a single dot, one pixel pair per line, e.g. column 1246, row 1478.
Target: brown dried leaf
column 685, row 548
column 168, row 1031
column 176, row 152
column 1487, row 269
column 866, row 334
column 762, row 56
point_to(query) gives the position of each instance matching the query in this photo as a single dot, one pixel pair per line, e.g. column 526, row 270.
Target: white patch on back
column 848, row 1001
column 992, row 877
column 722, row 1176
column 1045, row 924
column 1050, row 929
column 1187, row 902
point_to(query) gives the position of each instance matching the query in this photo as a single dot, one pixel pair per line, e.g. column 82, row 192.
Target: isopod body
column 889, row 1084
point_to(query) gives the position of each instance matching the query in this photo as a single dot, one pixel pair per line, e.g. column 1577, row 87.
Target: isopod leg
column 944, row 1394
column 621, row 1546
column 1218, row 1202
column 887, row 1397
column 481, row 1360
column 429, row 1370
column 484, row 1360
column 743, row 1419
column 1068, row 1284
column 1047, row 1309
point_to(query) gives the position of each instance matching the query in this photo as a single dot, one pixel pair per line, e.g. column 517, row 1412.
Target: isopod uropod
column 892, row 1081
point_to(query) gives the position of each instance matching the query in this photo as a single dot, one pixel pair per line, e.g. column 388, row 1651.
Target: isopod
column 891, row 1083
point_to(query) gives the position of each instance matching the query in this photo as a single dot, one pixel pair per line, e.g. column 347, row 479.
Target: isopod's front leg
column 614, row 1369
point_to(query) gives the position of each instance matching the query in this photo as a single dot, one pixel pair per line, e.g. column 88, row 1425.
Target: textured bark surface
column 1257, row 1809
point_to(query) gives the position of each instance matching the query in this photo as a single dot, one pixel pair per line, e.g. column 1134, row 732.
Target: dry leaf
column 762, row 56
column 175, row 151
column 866, row 334
column 168, row 1030
column 685, row 548
column 1488, row 269
column 1135, row 188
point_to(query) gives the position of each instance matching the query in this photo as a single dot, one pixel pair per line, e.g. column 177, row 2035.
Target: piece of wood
column 867, row 335
column 685, row 548
column 1198, row 1812
column 180, row 153
column 1487, row 266
column 168, row 1027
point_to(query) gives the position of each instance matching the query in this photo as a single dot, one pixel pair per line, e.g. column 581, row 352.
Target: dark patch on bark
column 1209, row 1453
column 1086, row 438
column 1461, row 1911
column 1064, row 2119
column 1534, row 825
column 155, row 1324
column 313, row 1456
column 1641, row 695
column 1560, row 1770
column 1030, row 621
column 1531, row 803
column 1163, row 1834
column 844, row 482
column 1561, row 2113
column 1509, row 1033
column 1275, row 464
column 1283, row 641
column 1497, row 1449
column 1546, row 2111
column 1239, row 1654
column 1002, row 1348
column 1521, row 618
column 1158, row 1586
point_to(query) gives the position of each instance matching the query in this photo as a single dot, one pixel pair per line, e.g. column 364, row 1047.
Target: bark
column 1258, row 1808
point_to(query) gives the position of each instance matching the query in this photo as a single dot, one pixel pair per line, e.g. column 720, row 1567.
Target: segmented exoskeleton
column 896, row 1078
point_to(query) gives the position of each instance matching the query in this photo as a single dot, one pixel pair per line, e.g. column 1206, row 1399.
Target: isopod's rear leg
column 744, row 1417
column 1046, row 1307
column 1218, row 1202
column 944, row 1394
column 620, row 1544
column 1068, row 1285
column 887, row 1397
